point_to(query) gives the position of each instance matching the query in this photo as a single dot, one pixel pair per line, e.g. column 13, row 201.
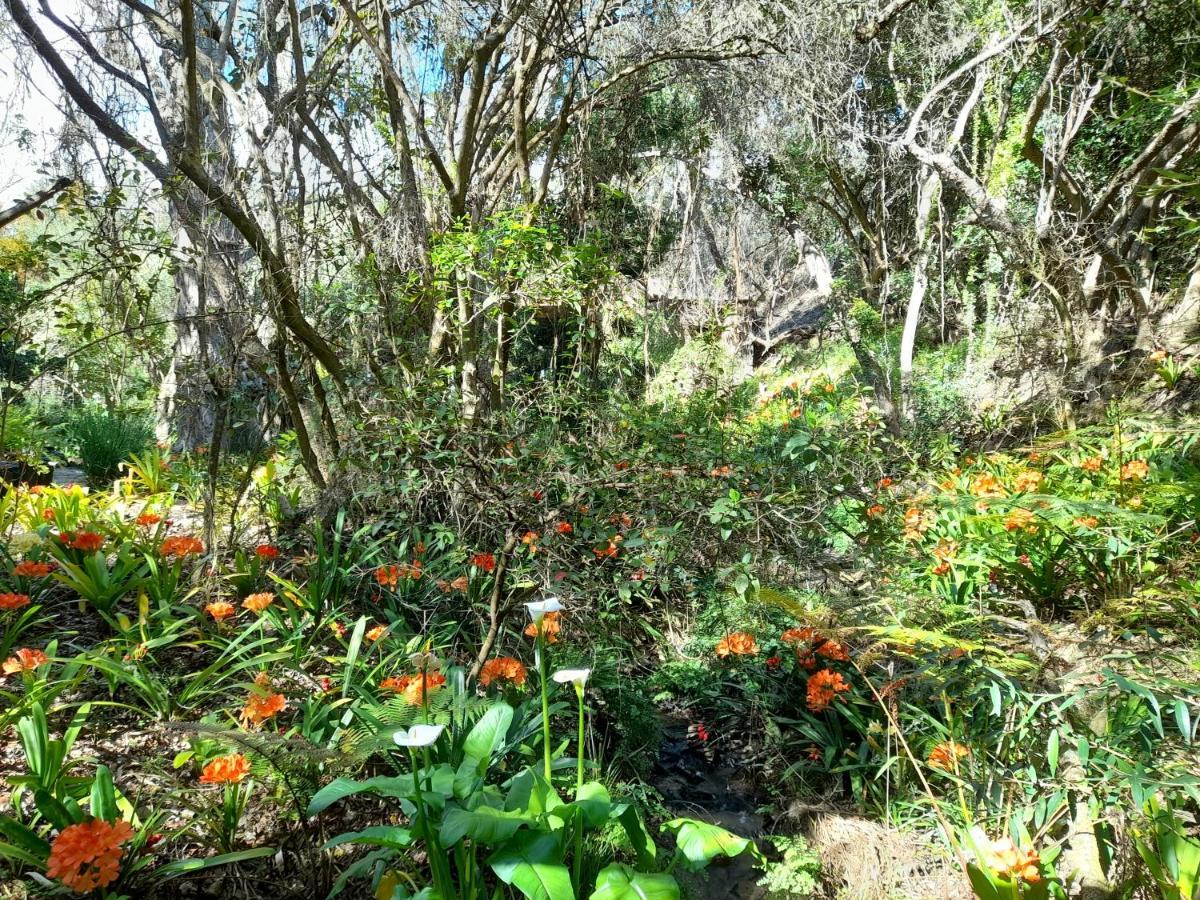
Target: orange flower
column 220, row 610
column 502, row 668
column 721, row 472
column 945, row 756
column 181, row 546
column 414, row 688
column 884, row 483
column 1085, row 521
column 484, row 561
column 1091, row 464
column 87, row 541
column 387, row 576
column 550, row 628
column 231, row 769
column 147, row 520
column 13, row 601
column 460, row 583
column 941, row 568
column 337, row 628
column 374, row 634
column 833, row 650
column 87, row 856
column 530, row 539
column 1135, row 470
column 266, row 552
column 875, row 511
column 916, row 523
column 24, row 660
column 609, row 552
column 823, row 689
column 986, row 485
column 260, row 707
column 945, row 549
column 1012, row 863
column 258, row 603
column 564, row 527
column 30, row 569
column 1028, row 481
column 737, row 643
column 1158, row 356
column 1020, row 520
column 800, row 636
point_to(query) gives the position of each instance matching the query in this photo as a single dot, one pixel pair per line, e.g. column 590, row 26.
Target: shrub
column 106, row 439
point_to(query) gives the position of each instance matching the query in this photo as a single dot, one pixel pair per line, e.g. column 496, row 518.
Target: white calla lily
column 539, row 608
column 418, row 735
column 577, row 677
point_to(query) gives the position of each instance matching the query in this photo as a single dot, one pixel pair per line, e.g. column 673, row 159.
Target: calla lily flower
column 577, row 677
column 538, row 609
column 418, row 735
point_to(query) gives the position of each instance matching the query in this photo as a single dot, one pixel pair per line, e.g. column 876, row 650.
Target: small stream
column 696, row 784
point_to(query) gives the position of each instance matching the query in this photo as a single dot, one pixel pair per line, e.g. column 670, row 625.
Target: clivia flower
column 1135, row 470
column 374, row 634
column 701, row 731
column 337, row 628
column 147, row 520
column 266, row 552
column 181, row 546
column 1091, row 464
column 502, row 668
column 773, row 662
column 1011, row 862
column 9, row 602
column 87, row 541
column 258, row 603
column 564, row 528
column 87, row 856
column 23, row 660
column 31, row 569
column 823, row 689
column 484, row 561
column 220, row 610
column 737, row 643
column 547, row 625
column 418, row 736
column 414, row 688
column 945, row 756
column 231, row 769
column 1028, row 481
column 260, row 707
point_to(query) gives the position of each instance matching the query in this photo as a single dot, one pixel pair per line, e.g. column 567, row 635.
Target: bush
column 106, row 439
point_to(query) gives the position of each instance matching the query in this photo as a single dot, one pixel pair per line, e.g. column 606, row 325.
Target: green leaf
column 104, row 796
column 341, row 788
column 617, row 882
column 594, row 802
column 643, row 844
column 1052, row 752
column 701, row 843
column 187, row 866
column 486, row 824
column 488, row 732
column 1183, row 720
column 393, row 836
column 532, row 863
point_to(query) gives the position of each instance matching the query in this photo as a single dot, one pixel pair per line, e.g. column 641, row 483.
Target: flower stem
column 578, row 861
column 542, row 678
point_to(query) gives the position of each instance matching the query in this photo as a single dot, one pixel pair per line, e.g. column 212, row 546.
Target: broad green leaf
column 341, row 788
column 643, row 844
column 488, row 732
column 532, row 863
column 488, row 825
column 594, row 802
column 617, row 882
column 377, row 836
column 187, row 866
column 701, row 843
column 104, row 795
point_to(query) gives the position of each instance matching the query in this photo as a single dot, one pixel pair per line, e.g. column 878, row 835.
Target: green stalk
column 541, row 662
column 431, row 848
column 577, row 874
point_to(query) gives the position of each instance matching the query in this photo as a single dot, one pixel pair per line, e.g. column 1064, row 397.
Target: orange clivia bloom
column 875, row 511
column 945, row 756
column 1028, row 481
column 87, row 856
column 374, row 634
column 737, row 643
column 609, row 552
column 1091, row 464
column 30, row 569
column 942, row 568
column 181, row 546
column 231, row 769
column 24, row 660
column 721, row 472
column 414, row 688
column 564, row 527
column 484, row 561
column 147, row 520
column 986, row 485
column 13, row 601
column 834, row 650
column 916, row 523
column 460, row 583
column 260, row 707
column 550, row 628
column 884, row 483
column 1013, row 863
column 87, row 541
column 1020, row 520
column 387, row 576
column 1085, row 521
column 800, row 636
column 220, row 610
column 266, row 552
column 1135, row 470
column 823, row 689
column 502, row 668
column 530, row 539
column 337, row 628
column 258, row 603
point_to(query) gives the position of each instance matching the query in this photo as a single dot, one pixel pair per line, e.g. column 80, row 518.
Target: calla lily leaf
column 617, row 882
column 700, row 843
